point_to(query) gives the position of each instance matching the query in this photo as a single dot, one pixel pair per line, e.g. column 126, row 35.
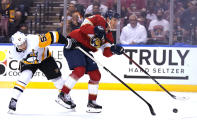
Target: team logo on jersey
column 3, row 63
column 32, row 58
column 96, row 42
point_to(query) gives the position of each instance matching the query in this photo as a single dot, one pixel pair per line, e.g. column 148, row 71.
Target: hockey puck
column 175, row 110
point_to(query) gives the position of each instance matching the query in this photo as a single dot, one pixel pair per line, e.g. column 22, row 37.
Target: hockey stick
column 173, row 96
column 149, row 105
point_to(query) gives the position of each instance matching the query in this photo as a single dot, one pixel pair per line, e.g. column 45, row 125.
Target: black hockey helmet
column 111, row 14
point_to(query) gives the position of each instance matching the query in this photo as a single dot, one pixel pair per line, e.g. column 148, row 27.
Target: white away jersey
column 37, row 49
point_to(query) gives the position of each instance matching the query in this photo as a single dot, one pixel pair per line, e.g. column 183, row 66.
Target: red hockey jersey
column 86, row 32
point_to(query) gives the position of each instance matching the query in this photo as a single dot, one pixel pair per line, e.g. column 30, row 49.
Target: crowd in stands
column 13, row 14
column 141, row 21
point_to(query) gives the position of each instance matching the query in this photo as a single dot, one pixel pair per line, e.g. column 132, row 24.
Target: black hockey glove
column 99, row 32
column 117, row 49
column 71, row 43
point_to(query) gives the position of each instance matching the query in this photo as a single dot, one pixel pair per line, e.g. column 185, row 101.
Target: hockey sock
column 70, row 82
column 65, row 89
column 93, row 90
column 92, row 97
column 95, row 77
column 18, row 89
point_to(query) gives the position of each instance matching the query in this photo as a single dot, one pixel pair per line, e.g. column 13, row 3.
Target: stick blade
column 182, row 98
column 151, row 110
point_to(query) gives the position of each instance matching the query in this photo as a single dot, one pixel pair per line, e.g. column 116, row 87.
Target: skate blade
column 93, row 110
column 60, row 102
column 11, row 112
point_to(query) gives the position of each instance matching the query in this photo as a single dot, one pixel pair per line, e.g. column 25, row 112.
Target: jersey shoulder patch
column 44, row 40
column 48, row 38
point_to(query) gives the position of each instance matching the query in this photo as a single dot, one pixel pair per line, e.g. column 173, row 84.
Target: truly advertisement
column 161, row 63
column 168, row 65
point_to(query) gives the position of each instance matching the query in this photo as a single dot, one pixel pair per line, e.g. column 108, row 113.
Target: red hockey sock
column 92, row 97
column 65, row 89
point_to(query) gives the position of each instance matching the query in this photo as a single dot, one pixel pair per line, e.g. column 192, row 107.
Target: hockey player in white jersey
column 33, row 54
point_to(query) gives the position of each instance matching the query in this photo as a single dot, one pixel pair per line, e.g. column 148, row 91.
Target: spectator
column 79, row 7
column 74, row 23
column 3, row 25
column 132, row 9
column 178, row 31
column 150, row 15
column 178, row 34
column 142, row 21
column 96, row 10
column 162, row 4
column 179, row 9
column 74, row 18
column 103, row 8
column 150, row 5
column 142, row 18
column 159, row 29
column 86, row 3
column 23, row 6
column 7, row 12
column 16, row 24
column 83, row 2
column 138, row 3
column 70, row 10
column 133, row 33
column 112, row 5
column 188, row 21
column 185, row 3
column 13, row 16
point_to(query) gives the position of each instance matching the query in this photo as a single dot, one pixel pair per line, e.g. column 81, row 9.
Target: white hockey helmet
column 18, row 38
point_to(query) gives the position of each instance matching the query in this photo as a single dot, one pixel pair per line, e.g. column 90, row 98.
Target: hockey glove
column 71, row 43
column 99, row 32
column 117, row 49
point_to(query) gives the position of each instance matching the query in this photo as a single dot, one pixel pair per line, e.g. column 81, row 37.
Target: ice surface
column 122, row 111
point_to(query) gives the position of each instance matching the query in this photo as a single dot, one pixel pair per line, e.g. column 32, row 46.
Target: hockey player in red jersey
column 93, row 34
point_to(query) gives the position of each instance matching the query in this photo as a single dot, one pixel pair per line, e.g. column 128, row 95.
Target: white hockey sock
column 93, row 88
column 70, row 82
column 18, row 89
column 93, row 91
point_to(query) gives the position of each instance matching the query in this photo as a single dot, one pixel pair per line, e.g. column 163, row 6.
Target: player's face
column 22, row 47
column 112, row 23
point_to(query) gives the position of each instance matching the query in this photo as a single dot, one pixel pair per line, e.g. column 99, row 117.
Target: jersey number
column 43, row 38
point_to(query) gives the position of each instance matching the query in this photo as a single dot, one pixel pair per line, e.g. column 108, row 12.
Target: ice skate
column 65, row 101
column 12, row 106
column 92, row 107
